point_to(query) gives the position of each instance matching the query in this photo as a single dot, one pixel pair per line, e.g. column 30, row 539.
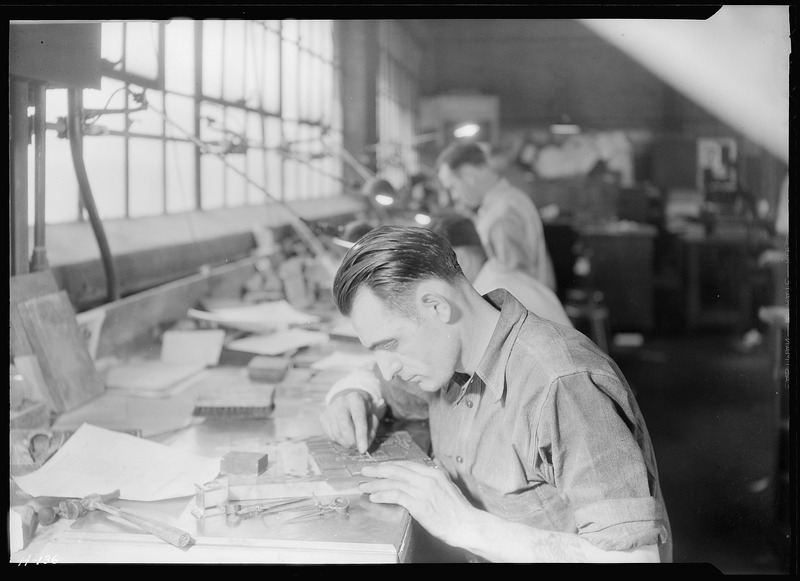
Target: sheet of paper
column 96, row 460
column 279, row 342
column 278, row 313
column 151, row 378
column 204, row 346
column 223, row 321
column 342, row 360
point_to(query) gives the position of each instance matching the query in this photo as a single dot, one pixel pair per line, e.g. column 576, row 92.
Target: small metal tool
column 251, row 510
column 339, row 505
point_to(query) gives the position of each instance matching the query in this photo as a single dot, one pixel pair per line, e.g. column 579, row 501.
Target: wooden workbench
column 371, row 533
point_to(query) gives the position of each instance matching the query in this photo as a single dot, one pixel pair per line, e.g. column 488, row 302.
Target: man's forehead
column 366, row 305
column 372, row 320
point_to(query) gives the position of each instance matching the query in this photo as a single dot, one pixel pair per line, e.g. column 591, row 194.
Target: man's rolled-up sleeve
column 599, row 465
column 621, row 524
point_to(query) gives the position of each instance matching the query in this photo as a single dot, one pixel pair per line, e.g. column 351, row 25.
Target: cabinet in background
column 622, row 269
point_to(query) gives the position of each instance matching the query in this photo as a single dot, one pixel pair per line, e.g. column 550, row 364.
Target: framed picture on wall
column 717, row 165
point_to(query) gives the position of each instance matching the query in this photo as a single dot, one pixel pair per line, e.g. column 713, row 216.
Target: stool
column 589, row 314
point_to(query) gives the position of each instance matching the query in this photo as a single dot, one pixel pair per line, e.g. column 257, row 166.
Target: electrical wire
column 96, row 114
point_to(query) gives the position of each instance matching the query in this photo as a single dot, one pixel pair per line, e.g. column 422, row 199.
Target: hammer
column 76, row 508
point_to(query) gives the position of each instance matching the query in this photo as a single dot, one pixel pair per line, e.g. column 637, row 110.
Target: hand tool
column 248, row 511
column 172, row 535
column 339, row 505
column 73, row 509
column 70, row 509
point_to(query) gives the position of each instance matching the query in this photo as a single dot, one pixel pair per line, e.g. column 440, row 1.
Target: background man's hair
column 460, row 153
column 459, row 230
column 390, row 261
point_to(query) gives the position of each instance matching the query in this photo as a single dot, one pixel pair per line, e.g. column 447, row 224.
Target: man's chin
column 428, row 385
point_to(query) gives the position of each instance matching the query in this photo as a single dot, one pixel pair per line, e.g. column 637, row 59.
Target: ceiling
column 735, row 64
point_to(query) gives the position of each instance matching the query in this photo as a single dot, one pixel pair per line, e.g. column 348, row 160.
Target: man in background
column 506, row 218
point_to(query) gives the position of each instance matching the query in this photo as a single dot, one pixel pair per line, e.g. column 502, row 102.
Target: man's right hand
column 349, row 419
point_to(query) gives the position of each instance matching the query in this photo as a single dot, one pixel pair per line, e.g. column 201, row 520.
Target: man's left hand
column 426, row 492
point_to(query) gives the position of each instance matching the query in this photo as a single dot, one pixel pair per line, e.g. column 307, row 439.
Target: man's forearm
column 497, row 540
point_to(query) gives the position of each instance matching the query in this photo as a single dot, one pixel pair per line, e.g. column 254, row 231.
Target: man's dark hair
column 461, row 153
column 390, row 261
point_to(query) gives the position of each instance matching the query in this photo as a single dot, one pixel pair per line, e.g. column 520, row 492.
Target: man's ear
column 433, row 301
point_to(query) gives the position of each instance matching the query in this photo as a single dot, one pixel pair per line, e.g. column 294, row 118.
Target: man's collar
column 492, row 367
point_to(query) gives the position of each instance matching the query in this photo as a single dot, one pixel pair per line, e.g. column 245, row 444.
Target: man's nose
column 388, row 364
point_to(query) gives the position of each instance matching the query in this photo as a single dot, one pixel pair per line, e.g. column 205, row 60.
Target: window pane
column 271, row 90
column 180, row 177
column 105, row 166
column 141, row 50
column 212, row 119
column 274, row 163
column 56, row 104
column 303, row 82
column 290, row 180
column 149, row 121
column 235, row 184
column 111, row 41
column 272, row 126
column 233, row 71
column 180, row 112
column 235, row 127
column 255, row 170
column 289, row 81
column 255, row 156
column 146, row 178
column 212, row 58
column 179, row 56
column 61, row 184
column 212, row 182
column 254, row 64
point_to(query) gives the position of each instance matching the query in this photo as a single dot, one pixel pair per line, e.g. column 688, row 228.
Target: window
column 399, row 68
column 232, row 107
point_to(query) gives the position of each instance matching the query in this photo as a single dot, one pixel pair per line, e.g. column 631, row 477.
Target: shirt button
column 469, row 403
column 459, row 459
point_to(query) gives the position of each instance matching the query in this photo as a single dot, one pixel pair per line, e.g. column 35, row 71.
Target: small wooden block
column 22, row 524
column 244, row 463
column 268, row 369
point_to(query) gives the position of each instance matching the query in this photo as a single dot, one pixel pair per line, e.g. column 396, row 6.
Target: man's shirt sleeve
column 599, row 465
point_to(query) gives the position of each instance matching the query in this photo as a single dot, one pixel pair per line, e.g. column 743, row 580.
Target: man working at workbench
column 544, row 454
column 506, row 218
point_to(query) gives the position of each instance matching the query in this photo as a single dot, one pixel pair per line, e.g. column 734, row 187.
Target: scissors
column 338, row 505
